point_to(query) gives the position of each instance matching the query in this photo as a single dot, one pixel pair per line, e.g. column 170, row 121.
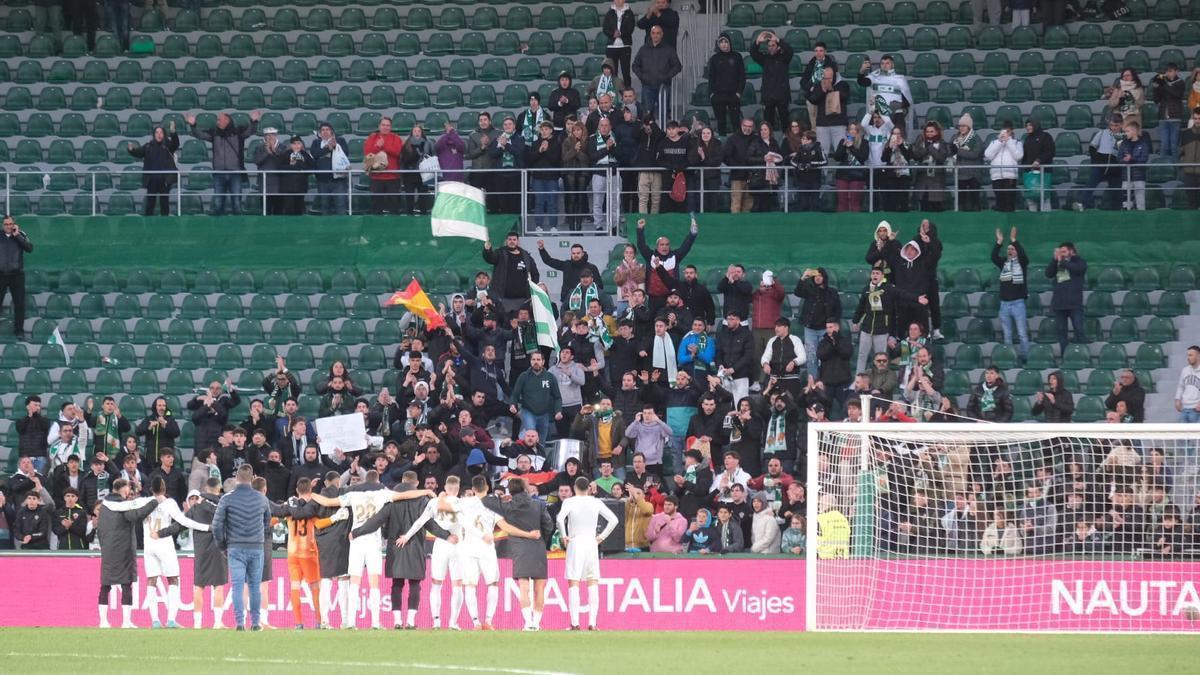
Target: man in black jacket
column 660, row 14
column 617, row 25
column 174, row 479
column 736, row 153
column 735, row 354
column 210, row 412
column 655, row 65
column 649, row 181
column 330, row 186
column 31, row 527
column 822, row 304
column 14, row 244
column 543, row 156
column 1170, row 95
column 71, row 523
column 512, row 269
column 737, row 293
column 776, row 87
column 33, row 429
column 812, row 75
column 570, row 268
column 563, row 101
column 726, row 81
column 833, row 352
column 1039, row 151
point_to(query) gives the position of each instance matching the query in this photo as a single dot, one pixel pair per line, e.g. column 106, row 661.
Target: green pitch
column 49, row 650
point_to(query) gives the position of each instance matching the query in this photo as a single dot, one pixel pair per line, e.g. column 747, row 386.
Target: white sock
column 573, row 605
column 152, row 601
column 527, row 615
column 537, row 618
column 103, row 610
column 472, row 598
column 172, row 603
column 435, row 604
column 218, row 614
column 197, row 619
column 412, row 617
column 593, row 603
column 126, row 615
column 326, row 593
column 493, row 598
column 456, row 601
column 373, row 605
column 396, row 617
column 350, row 613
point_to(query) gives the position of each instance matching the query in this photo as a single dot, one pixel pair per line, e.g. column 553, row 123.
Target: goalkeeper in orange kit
column 302, row 559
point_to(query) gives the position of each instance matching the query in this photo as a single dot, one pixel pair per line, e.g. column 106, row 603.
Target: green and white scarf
column 532, row 120
column 987, row 398
column 599, row 331
column 107, row 428
column 601, row 144
column 605, row 86
column 507, row 159
column 580, row 297
column 776, row 438
column 1012, row 272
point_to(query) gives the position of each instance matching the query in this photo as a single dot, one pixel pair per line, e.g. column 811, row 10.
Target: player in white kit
column 477, row 552
column 444, row 559
column 577, row 523
column 366, row 551
column 160, row 558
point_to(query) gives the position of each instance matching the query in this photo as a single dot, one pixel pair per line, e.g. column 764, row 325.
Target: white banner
column 347, row 433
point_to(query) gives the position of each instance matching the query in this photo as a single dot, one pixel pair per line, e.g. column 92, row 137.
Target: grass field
column 48, row 650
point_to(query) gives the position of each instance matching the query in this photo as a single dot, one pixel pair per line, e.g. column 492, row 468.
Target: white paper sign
column 347, row 432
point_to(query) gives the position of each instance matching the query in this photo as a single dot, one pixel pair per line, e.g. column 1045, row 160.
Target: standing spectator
column 1128, row 391
column 385, row 147
column 726, row 81
column 572, row 269
column 1004, row 155
column 1014, row 289
column 888, row 92
column 13, row 247
column 32, row 525
column 228, row 154
column 32, row 432
column 563, row 101
column 414, row 199
column 875, row 318
column 512, row 270
column 1039, row 518
column 1037, row 151
column 530, row 119
column 293, row 181
column 1067, row 272
column 1127, row 96
column 991, row 400
column 601, row 152
column 704, row 178
column 830, row 97
column 545, row 155
column 1168, row 93
column 239, row 526
column 810, row 78
column 655, row 65
column 776, row 89
column 736, row 154
column 660, row 15
column 1055, row 402
column 450, row 149
column 1000, row 536
column 877, row 128
column 931, row 152
column 665, row 529
column 1135, row 154
column 1021, row 9
column 895, row 180
column 605, row 109
column 508, row 151
column 623, row 128
column 833, row 354
column 737, row 293
column 83, row 17
column 576, row 178
column 783, row 357
column 477, row 146
column 968, row 149
column 118, row 22
column 271, row 157
column 1104, row 157
column 1189, row 153
column 1187, row 392
column 649, row 180
column 673, row 156
column 607, row 83
column 618, row 28
column 629, row 275
column 821, row 305
column 210, row 412
column 808, row 159
column 993, row 13
column 852, row 153
column 765, row 151
column 158, row 156
column 331, row 164
column 662, row 255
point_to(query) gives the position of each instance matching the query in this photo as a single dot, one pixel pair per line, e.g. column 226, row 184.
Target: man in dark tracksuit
column 776, row 88
column 14, row 244
column 726, row 81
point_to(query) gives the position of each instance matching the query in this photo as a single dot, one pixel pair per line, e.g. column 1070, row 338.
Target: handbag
column 430, row 167
column 1036, row 183
column 339, row 162
column 679, row 187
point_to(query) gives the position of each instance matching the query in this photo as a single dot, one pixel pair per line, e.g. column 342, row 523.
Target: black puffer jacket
column 158, row 156
column 726, row 71
column 821, row 303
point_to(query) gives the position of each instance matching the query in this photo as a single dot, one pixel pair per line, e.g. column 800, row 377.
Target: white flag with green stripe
column 459, row 211
column 543, row 317
column 56, row 338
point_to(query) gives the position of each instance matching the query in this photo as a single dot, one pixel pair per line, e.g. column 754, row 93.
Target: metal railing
column 591, row 199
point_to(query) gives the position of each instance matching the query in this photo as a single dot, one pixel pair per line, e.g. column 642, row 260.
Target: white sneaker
column 937, row 335
column 129, row 625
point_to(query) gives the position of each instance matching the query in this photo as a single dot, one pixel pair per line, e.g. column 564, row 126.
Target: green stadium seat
column 1055, row 37
column 179, row 383
column 1138, row 59
column 994, row 65
column 52, row 98
column 349, row 97
column 1101, row 62
column 1112, row 357
column 1018, row 90
column 17, row 99
column 1079, row 116
column 1123, row 330
column 1172, row 303
column 1187, row 34
column 262, row 306
column 387, row 332
column 353, row 332
column 406, row 44
column 30, row 72
column 472, row 44
column 283, row 332
column 1099, row 304
column 1160, row 330
column 1023, row 37
column 983, row 91
column 318, row 332
column 262, row 357
column 1156, row 35
column 967, row 357
column 248, row 332
column 957, row 37
column 339, row 45
column 352, row 19
column 415, row 97
column 1134, row 304
column 309, row 45
column 427, row 70
column 1004, row 357
column 418, row 19
column 1076, row 357
column 319, row 20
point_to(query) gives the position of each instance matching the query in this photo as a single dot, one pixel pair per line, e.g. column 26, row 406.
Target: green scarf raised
column 776, row 438
column 580, row 297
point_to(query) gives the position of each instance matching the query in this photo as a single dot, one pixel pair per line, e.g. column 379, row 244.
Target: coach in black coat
column 117, row 529
column 212, row 569
column 529, row 514
column 394, row 519
column 333, row 546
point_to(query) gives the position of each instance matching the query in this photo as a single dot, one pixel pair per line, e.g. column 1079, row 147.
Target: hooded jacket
column 559, row 111
column 158, row 156
column 1063, row 406
column 909, row 274
column 1038, row 146
column 726, row 70
column 821, row 303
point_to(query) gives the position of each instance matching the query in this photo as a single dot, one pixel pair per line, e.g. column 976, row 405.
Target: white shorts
column 443, row 559
column 484, row 562
column 583, row 563
column 161, row 562
column 365, row 551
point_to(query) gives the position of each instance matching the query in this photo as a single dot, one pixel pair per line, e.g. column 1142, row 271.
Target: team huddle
column 335, row 535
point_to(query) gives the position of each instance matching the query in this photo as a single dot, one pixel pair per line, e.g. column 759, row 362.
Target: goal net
column 1004, row 527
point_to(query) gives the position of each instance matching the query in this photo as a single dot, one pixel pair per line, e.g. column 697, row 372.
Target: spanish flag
column 415, row 300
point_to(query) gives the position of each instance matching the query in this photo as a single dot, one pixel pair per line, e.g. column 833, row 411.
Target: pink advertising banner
column 1012, row 595
column 647, row 594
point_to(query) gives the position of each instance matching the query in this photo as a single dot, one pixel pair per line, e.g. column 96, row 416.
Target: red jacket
column 766, row 306
column 392, row 145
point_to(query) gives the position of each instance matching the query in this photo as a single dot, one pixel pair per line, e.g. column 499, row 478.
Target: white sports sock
column 218, row 614
column 373, row 605
column 537, row 618
column 435, row 604
column 493, row 599
column 326, row 594
column 412, row 617
column 127, row 616
column 396, row 616
column 350, row 611
column 593, row 604
column 197, row 619
column 152, row 601
column 172, row 603
column 527, row 615
column 456, row 601
column 472, row 598
column 103, row 610
column 573, row 605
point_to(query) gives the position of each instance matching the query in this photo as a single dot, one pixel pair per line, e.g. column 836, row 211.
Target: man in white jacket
column 764, row 531
column 1187, row 393
column 1004, row 155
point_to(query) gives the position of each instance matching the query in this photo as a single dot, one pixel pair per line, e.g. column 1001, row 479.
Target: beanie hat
column 966, row 121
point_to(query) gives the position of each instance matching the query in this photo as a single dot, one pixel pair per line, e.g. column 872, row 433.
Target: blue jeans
column 332, row 196
column 650, row 100
column 227, row 186
column 545, row 202
column 1012, row 313
column 1168, row 131
column 40, row 464
column 1190, row 416
column 811, row 339
column 245, row 567
column 118, row 21
column 1076, row 317
column 539, row 423
column 1110, row 197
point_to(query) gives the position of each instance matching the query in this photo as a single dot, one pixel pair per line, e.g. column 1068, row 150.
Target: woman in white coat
column 1004, row 155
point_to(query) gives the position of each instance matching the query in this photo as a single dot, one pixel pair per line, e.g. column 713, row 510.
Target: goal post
column 1003, row 527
